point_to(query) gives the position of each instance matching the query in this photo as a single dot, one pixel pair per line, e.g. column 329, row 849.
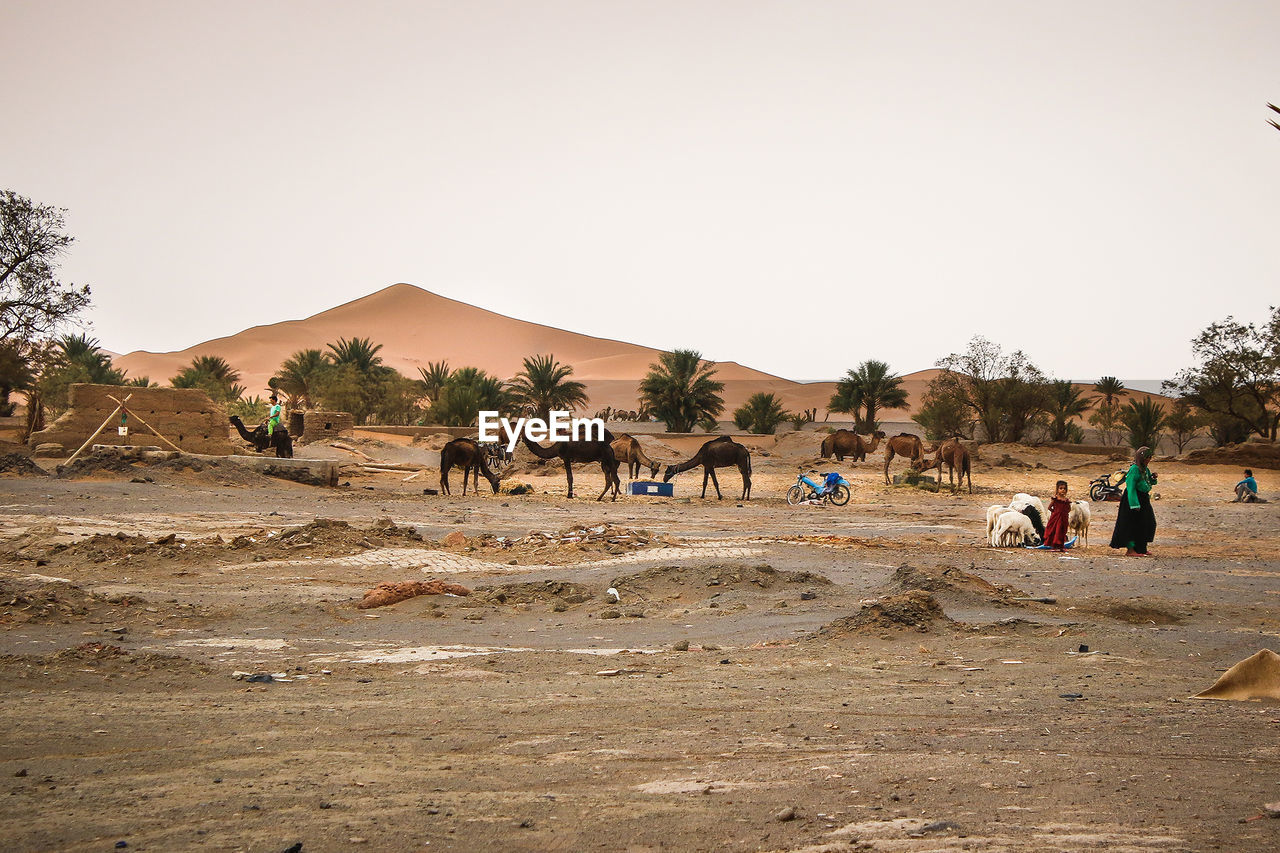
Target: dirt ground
column 183, row 664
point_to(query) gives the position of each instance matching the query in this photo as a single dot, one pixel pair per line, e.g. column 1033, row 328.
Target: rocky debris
column 533, row 592
column 606, row 533
column 46, row 602
column 22, row 466
column 391, row 593
column 913, row 610
column 98, row 657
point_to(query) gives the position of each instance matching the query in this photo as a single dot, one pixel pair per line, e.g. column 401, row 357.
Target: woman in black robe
column 1135, row 520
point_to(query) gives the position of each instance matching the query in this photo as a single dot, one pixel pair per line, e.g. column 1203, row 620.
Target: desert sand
column 185, row 665
column 416, row 327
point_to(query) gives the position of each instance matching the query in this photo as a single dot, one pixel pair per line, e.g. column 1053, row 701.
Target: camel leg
column 568, row 475
column 715, row 483
column 466, row 475
column 444, row 480
column 746, row 483
column 888, row 457
column 705, row 473
column 475, row 479
column 609, row 478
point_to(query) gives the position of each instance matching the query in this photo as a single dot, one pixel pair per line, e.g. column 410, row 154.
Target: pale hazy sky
column 794, row 185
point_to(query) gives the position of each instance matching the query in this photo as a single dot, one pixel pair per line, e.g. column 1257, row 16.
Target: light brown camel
column 581, row 450
column 718, row 453
column 844, row 443
column 902, row 444
column 627, row 449
column 955, row 456
column 469, row 456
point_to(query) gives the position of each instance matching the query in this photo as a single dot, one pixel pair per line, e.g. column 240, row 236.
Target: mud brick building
column 318, row 425
column 185, row 416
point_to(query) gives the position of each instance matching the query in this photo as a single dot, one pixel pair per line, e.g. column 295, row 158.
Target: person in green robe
column 1135, row 520
column 274, row 415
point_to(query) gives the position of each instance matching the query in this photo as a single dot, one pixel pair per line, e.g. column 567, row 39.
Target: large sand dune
column 416, row 326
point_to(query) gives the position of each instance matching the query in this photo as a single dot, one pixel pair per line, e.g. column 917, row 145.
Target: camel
column 903, row 444
column 955, row 456
column 718, row 453
column 844, row 443
column 469, row 456
column 279, row 438
column 627, row 449
column 582, row 450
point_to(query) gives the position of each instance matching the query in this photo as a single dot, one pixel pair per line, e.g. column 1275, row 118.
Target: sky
column 797, row 186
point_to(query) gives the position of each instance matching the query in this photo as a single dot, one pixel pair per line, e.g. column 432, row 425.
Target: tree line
column 1232, row 392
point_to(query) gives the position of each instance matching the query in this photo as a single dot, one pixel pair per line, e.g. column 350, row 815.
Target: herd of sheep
column 1022, row 522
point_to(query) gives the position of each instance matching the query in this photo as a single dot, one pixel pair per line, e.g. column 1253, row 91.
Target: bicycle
column 833, row 489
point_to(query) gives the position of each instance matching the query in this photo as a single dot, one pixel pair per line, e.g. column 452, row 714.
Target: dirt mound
column 951, row 580
column 99, row 657
column 913, row 610
column 432, row 441
column 20, row 465
column 391, row 593
column 1143, row 612
column 52, row 601
column 534, row 592
column 568, row 545
column 672, row 582
column 1248, row 455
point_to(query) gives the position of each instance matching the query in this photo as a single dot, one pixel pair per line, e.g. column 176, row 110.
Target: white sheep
column 1013, row 529
column 1078, row 521
column 1022, row 500
column 993, row 512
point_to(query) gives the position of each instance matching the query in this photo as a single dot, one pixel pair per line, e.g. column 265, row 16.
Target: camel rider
column 273, row 415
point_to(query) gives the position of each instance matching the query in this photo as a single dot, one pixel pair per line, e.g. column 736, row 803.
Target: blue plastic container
column 649, row 487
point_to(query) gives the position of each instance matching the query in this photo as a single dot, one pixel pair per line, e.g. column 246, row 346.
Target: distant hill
column 416, row 326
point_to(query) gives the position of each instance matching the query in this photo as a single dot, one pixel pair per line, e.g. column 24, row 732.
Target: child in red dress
column 1055, row 531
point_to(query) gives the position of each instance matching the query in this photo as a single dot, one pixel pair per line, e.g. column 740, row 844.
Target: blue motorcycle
column 832, row 488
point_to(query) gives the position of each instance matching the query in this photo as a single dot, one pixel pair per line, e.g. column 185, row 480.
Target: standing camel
column 469, row 456
column 844, row 443
column 582, row 450
column 718, row 453
column 955, row 456
column 627, row 449
column 903, row 444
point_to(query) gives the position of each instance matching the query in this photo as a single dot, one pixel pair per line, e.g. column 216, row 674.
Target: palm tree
column 468, row 392
column 866, row 390
column 1111, row 390
column 544, row 385
column 360, row 353
column 212, row 374
column 761, row 414
column 83, row 359
column 297, row 377
column 434, row 377
column 680, row 390
column 1066, row 403
column 1144, row 419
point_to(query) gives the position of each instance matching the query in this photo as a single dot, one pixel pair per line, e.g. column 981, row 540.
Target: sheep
column 993, row 512
column 1022, row 499
column 1013, row 528
column 1078, row 521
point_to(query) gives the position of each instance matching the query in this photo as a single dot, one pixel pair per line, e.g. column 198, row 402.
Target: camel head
column 668, row 474
column 653, row 469
column 494, row 480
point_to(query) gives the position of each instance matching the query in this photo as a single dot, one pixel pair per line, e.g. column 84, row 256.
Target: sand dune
column 416, row 326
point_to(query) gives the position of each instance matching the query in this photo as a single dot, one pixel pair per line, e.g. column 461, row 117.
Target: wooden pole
column 147, row 425
column 99, row 429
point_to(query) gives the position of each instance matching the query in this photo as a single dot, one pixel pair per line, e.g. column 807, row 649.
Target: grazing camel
column 279, row 438
column 718, row 453
column 902, row 444
column 844, row 443
column 469, row 456
column 582, row 450
column 627, row 449
column 955, row 456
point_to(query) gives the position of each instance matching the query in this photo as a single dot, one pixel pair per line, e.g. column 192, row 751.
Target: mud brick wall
column 319, row 425
column 185, row 416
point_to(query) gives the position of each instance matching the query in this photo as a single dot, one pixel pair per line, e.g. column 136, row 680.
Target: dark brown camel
column 955, row 456
column 903, row 444
column 469, row 456
column 627, row 449
column 718, row 453
column 279, row 438
column 844, row 443
column 569, row 452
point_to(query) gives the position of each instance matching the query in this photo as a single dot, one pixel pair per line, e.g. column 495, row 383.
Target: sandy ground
column 766, row 680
